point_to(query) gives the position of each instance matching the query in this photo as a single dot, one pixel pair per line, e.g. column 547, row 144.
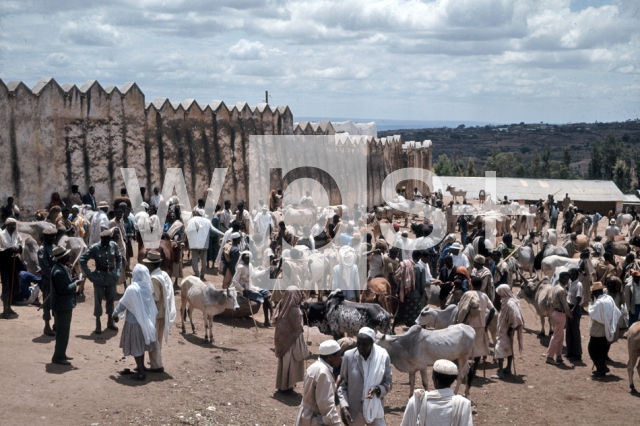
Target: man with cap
column 612, row 230
column 366, row 379
column 99, row 223
column 11, row 265
column 46, row 262
column 603, row 327
column 198, row 230
column 166, row 305
column 574, row 299
column 318, row 405
column 632, row 296
column 440, row 406
column 89, row 198
column 63, row 301
column 482, row 272
column 108, row 262
column 459, row 259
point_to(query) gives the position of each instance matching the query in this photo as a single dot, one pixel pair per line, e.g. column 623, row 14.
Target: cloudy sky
column 499, row 61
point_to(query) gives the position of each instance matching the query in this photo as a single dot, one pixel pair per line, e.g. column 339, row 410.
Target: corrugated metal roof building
column 588, row 195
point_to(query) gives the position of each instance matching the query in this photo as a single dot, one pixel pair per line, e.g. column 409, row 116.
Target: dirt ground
column 232, row 381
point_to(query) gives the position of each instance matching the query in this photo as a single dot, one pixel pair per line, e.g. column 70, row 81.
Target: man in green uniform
column 108, row 260
column 45, row 260
column 63, row 300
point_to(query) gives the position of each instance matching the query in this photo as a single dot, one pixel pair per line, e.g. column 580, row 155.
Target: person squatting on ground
column 366, row 379
column 108, row 261
column 242, row 281
column 440, row 406
column 139, row 331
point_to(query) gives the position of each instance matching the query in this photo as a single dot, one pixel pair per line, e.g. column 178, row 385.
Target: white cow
column 298, row 217
column 205, row 297
column 623, row 219
column 419, row 349
column 456, row 192
column 550, row 235
column 550, row 263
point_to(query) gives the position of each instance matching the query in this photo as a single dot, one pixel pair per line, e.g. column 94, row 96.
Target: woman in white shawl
column 603, row 327
column 510, row 321
column 139, row 331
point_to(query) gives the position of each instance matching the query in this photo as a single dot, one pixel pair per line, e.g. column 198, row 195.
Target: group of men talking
column 364, row 381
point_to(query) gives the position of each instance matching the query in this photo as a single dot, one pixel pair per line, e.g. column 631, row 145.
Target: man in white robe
column 441, row 406
column 166, row 305
column 263, row 222
column 99, row 223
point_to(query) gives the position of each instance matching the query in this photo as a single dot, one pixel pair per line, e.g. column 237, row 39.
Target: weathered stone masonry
column 53, row 136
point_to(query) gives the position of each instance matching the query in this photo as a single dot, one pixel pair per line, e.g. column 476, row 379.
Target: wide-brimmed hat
column 103, row 204
column 612, row 222
column 456, row 246
column 50, row 231
column 597, row 286
column 152, row 257
column 60, row 252
column 478, row 258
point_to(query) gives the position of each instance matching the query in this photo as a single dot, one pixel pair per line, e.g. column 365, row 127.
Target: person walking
column 603, row 328
column 139, row 331
column 63, row 301
column 291, row 348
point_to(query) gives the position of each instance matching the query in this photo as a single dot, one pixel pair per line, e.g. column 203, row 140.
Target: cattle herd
column 541, row 255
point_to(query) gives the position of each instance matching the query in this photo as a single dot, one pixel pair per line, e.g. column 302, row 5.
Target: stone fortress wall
column 53, row 136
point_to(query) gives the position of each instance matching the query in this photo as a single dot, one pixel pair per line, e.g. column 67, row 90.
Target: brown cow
column 167, row 250
column 378, row 291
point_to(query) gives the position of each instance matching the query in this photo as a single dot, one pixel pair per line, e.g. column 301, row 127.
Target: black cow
column 337, row 316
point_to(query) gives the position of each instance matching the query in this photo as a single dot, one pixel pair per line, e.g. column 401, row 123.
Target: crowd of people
column 464, row 270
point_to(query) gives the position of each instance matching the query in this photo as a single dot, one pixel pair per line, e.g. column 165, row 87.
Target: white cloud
column 490, row 60
column 248, row 50
column 58, row 60
column 90, row 33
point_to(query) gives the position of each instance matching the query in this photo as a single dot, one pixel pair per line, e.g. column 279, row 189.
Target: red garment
column 406, row 277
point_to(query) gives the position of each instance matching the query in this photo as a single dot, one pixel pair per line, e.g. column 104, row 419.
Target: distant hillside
column 478, row 142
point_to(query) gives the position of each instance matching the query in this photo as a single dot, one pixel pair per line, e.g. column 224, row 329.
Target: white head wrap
column 348, row 259
column 138, row 299
column 444, row 366
column 145, row 205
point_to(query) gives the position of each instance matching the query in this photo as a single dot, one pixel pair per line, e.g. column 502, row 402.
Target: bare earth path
column 231, row 381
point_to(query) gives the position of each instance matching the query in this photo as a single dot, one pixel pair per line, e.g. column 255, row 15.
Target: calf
column 198, row 295
column 418, row 349
column 337, row 316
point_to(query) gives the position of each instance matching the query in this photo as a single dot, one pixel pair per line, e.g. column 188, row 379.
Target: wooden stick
column 251, row 310
column 512, row 253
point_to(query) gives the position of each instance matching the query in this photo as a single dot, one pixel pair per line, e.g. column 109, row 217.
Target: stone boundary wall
column 54, row 136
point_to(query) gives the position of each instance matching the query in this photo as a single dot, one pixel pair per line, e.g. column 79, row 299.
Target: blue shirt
column 345, row 239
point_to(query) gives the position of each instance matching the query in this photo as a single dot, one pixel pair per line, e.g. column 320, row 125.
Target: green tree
column 636, row 166
column 443, row 167
column 612, row 150
column 534, row 167
column 546, row 162
column 460, row 169
column 567, row 157
column 505, row 164
column 622, row 175
column 595, row 165
column 471, row 170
